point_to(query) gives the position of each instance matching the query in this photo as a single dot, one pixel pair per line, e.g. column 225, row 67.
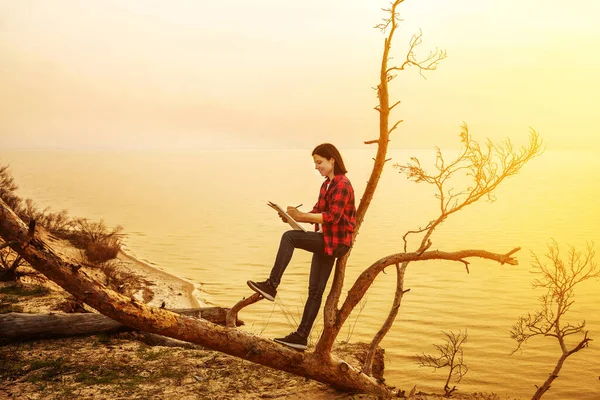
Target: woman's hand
column 284, row 219
column 294, row 213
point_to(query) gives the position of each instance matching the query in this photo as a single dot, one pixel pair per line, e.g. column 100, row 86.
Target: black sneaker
column 265, row 289
column 293, row 340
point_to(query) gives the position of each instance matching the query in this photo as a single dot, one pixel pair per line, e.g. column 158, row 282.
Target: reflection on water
column 203, row 216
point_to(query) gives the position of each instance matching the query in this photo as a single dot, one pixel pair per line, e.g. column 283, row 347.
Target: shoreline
column 175, row 291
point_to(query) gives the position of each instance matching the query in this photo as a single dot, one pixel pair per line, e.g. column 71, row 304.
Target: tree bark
column 34, row 249
column 544, row 388
column 42, row 326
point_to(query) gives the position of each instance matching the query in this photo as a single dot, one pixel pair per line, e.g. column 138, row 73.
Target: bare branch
column 395, row 126
column 395, row 104
column 583, row 344
column 231, row 317
column 366, row 278
column 487, row 168
column 387, row 325
column 466, row 265
column 429, row 63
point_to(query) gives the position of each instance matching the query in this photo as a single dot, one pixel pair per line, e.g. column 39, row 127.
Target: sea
column 203, row 215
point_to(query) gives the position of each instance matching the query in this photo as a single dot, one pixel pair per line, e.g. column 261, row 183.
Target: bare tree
column 450, row 355
column 559, row 280
column 319, row 364
column 485, row 169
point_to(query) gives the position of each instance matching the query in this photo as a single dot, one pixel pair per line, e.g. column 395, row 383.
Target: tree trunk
column 544, row 388
column 331, row 312
column 42, row 326
column 34, row 249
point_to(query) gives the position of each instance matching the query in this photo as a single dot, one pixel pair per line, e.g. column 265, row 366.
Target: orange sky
column 199, row 74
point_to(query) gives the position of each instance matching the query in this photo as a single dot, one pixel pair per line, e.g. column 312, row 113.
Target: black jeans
column 320, row 269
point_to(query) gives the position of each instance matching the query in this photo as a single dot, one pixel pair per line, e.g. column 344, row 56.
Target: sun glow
column 267, row 74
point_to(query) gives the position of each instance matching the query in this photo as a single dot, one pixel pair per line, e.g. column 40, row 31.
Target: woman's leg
column 290, row 240
column 320, row 270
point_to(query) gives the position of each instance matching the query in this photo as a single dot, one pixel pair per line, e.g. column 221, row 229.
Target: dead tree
column 485, row 167
column 559, row 280
column 319, row 364
column 450, row 355
column 20, row 326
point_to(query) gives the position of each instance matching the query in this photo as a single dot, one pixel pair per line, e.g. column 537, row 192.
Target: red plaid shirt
column 336, row 203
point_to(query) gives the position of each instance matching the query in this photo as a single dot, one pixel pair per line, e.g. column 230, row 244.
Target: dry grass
column 117, row 279
column 98, row 243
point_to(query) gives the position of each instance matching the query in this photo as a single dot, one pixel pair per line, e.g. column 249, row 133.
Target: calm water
column 202, row 215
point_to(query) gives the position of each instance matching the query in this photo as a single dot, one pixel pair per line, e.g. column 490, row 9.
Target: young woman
column 336, row 214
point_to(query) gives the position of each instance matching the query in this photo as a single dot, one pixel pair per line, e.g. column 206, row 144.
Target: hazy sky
column 267, row 73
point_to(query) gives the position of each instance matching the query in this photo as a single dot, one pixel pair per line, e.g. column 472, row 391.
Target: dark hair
column 328, row 151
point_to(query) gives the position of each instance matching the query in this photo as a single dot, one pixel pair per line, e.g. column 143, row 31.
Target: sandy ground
column 174, row 291
column 153, row 287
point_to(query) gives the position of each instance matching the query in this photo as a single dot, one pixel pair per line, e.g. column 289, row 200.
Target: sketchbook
column 293, row 223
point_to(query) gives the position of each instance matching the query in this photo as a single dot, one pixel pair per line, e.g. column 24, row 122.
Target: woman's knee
column 315, row 292
column 288, row 236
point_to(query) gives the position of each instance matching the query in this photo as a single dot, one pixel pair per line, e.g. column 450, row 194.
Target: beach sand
column 176, row 292
column 152, row 285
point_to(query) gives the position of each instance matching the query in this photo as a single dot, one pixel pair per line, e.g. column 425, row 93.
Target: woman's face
column 324, row 165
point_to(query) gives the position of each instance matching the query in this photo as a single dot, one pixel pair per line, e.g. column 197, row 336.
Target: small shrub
column 450, row 354
column 99, row 244
column 104, row 250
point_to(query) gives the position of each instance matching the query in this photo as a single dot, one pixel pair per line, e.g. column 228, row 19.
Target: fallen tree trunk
column 324, row 368
column 43, row 326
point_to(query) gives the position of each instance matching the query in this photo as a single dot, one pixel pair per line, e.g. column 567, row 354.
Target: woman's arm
column 314, row 218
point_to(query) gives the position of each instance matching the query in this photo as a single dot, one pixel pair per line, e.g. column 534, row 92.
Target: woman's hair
column 328, row 151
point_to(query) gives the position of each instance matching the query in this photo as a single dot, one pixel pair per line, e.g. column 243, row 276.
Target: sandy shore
column 176, row 292
column 155, row 286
